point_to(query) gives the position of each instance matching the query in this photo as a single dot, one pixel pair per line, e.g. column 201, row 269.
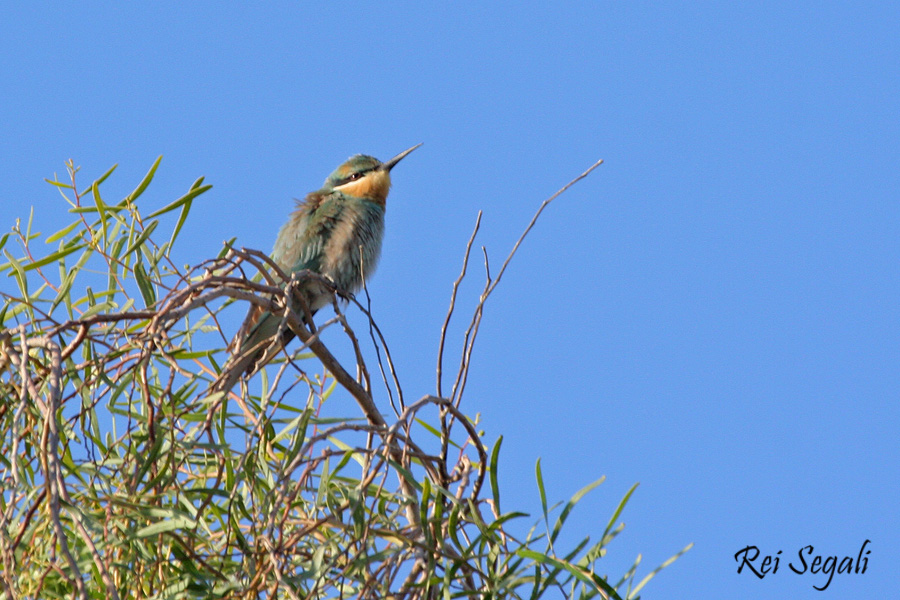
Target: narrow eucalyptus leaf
column 61, row 233
column 148, row 292
column 50, row 258
column 173, row 524
column 495, row 486
column 98, row 308
column 18, row 272
column 143, row 237
column 186, row 198
column 181, row 219
column 92, row 209
column 571, row 504
column 225, row 247
column 144, row 182
column 59, row 184
column 101, row 208
column 618, row 511
column 64, row 291
column 540, row 483
column 107, row 174
column 653, row 573
column 30, row 220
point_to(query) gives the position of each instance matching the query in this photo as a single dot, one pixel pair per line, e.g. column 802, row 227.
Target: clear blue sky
column 713, row 313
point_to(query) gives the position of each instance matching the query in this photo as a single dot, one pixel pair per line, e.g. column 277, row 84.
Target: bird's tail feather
column 255, row 343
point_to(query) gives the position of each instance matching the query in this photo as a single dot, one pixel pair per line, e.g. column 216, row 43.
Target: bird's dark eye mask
column 354, row 177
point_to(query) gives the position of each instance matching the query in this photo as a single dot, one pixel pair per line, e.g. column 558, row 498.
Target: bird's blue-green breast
column 334, row 234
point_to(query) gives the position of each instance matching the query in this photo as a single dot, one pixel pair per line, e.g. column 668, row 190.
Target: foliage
column 126, row 473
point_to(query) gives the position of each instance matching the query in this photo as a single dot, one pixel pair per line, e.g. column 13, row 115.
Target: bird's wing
column 293, row 238
column 299, row 245
column 319, row 222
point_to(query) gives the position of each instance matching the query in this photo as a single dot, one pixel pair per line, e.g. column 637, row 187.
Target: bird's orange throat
column 374, row 186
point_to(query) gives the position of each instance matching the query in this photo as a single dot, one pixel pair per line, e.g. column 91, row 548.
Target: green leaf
column 17, row 309
column 184, row 199
column 63, row 293
column 453, row 527
column 571, row 504
column 18, row 272
column 325, row 475
column 423, row 510
column 67, row 186
column 92, row 209
column 170, row 524
column 30, row 220
column 618, row 511
column 225, row 247
column 495, row 486
column 432, row 430
column 98, row 308
column 143, row 237
column 101, row 208
column 52, row 257
column 62, row 232
column 535, row 592
column 540, row 483
column 83, row 259
column 596, row 582
column 638, row 587
column 107, row 174
column 181, row 219
column 144, row 285
column 144, row 182
column 407, row 475
column 300, row 437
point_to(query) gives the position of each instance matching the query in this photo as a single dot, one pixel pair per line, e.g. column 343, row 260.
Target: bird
column 335, row 231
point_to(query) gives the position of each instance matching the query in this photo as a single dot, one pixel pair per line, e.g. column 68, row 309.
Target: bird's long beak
column 387, row 166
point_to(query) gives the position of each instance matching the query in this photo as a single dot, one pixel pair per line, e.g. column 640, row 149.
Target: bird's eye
column 355, row 176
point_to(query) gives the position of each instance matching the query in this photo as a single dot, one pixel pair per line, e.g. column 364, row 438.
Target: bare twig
column 462, row 274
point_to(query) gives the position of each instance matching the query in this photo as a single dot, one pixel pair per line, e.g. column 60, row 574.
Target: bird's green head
column 365, row 176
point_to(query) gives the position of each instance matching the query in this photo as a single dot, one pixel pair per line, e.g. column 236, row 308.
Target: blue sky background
column 713, row 313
